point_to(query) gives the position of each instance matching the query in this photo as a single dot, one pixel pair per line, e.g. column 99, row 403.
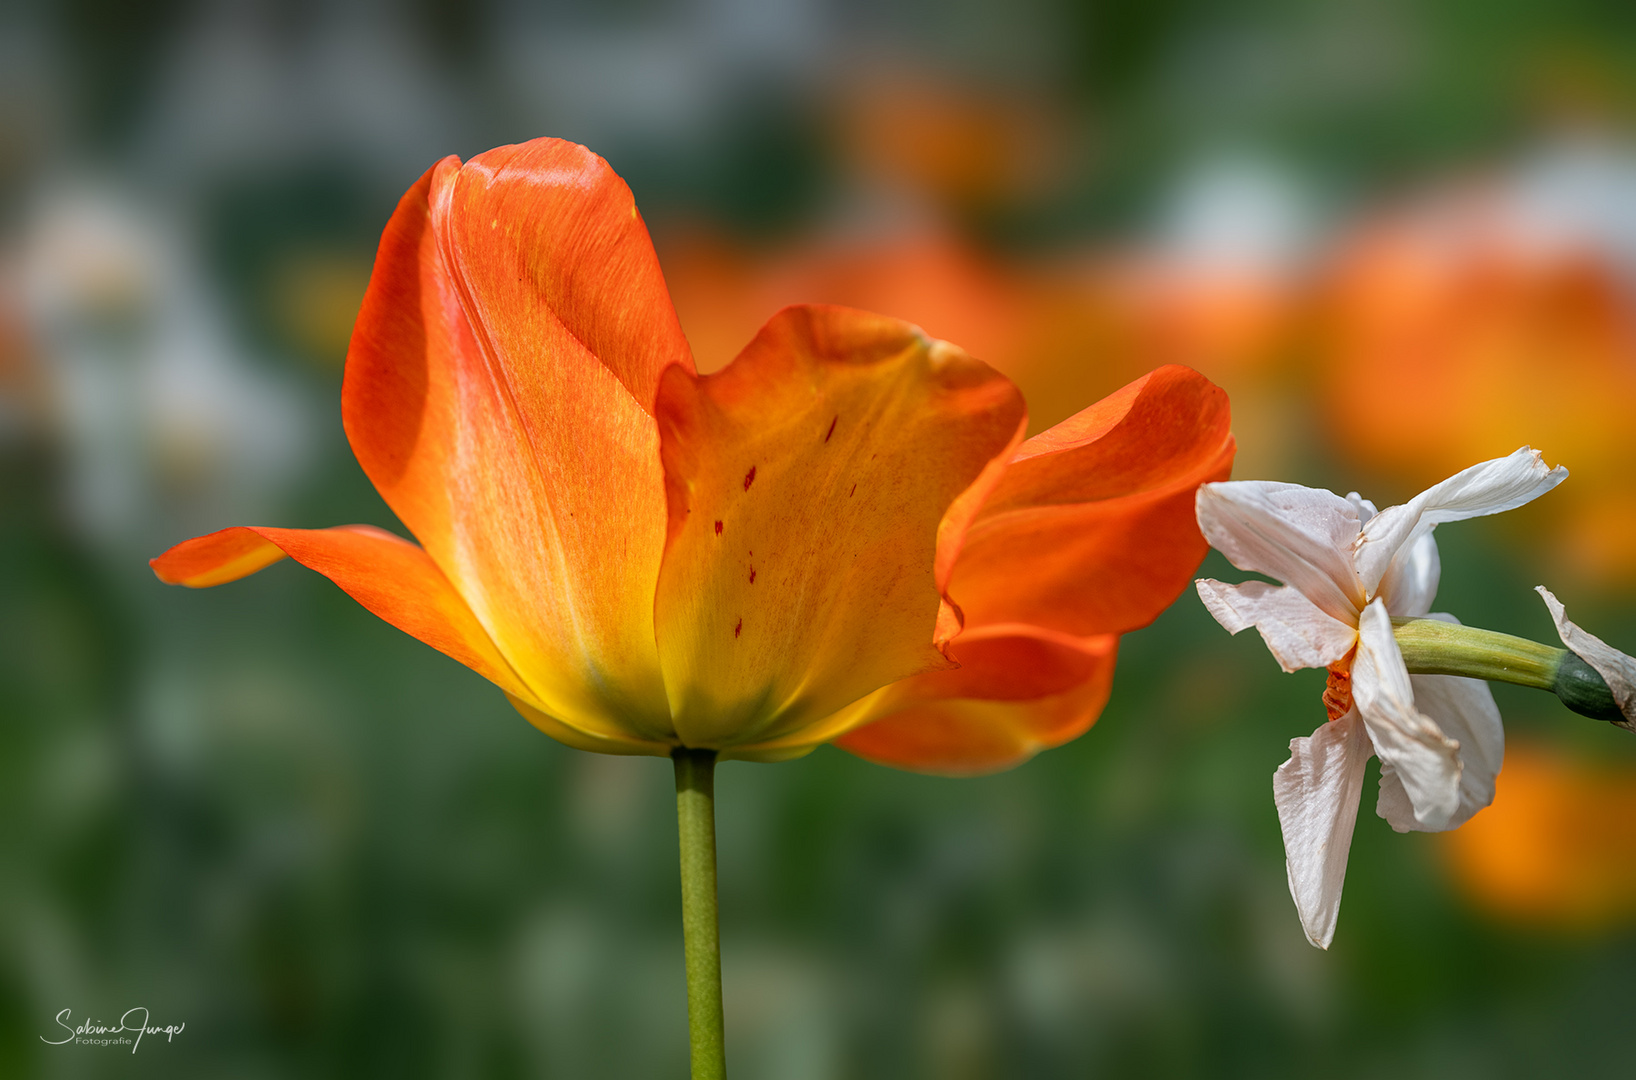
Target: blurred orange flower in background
column 1450, row 333
column 1557, row 847
column 25, row 395
column 965, row 147
column 1064, row 330
column 921, row 155
column 841, row 527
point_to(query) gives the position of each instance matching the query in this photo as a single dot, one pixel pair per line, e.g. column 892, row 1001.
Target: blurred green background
column 1403, row 236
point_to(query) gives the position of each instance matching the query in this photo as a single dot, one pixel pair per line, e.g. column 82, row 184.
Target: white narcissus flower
column 1347, row 570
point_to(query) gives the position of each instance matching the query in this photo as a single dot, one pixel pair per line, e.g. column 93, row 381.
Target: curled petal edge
column 1489, row 487
column 1465, row 710
column 1425, row 759
column 1617, row 669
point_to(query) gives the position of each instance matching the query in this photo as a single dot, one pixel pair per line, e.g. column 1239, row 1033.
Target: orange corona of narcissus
column 841, row 536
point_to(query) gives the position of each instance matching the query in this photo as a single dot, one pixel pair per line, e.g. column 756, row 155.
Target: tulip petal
column 1317, row 792
column 391, row 577
column 585, row 740
column 1465, row 710
column 1425, row 759
column 1295, row 630
column 1302, row 536
column 1616, row 668
column 1486, row 488
column 807, row 483
column 555, row 258
column 1019, row 690
column 496, row 394
column 1091, row 529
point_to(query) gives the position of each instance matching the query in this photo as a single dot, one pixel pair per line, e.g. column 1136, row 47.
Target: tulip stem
column 696, row 824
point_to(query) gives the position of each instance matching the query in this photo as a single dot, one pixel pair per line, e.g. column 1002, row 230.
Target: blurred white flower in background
column 1574, row 195
column 1238, row 214
column 165, row 423
column 350, row 89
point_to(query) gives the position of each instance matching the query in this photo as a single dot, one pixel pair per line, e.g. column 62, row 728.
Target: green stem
column 1433, row 647
column 696, row 825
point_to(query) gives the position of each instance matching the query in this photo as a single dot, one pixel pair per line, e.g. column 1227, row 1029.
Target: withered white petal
column 1465, row 710
column 1317, row 792
column 1426, row 760
column 1411, row 580
column 1301, row 536
column 1297, row 632
column 1486, row 488
column 1393, row 802
column 1616, row 668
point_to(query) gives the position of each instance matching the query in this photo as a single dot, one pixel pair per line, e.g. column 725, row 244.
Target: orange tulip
column 840, row 535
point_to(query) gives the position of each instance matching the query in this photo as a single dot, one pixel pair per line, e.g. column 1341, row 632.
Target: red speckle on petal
column 831, row 430
column 752, row 575
column 749, row 478
column 718, row 528
column 854, row 488
column 738, row 628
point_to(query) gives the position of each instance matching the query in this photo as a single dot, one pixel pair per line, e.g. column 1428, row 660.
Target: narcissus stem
column 696, row 823
column 1433, row 647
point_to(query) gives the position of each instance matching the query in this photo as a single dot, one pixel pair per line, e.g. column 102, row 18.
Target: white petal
column 1301, row 536
column 1487, row 488
column 1366, row 509
column 1616, row 669
column 1426, row 760
column 1317, row 792
column 1465, row 710
column 1393, row 802
column 1297, row 632
column 1411, row 580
